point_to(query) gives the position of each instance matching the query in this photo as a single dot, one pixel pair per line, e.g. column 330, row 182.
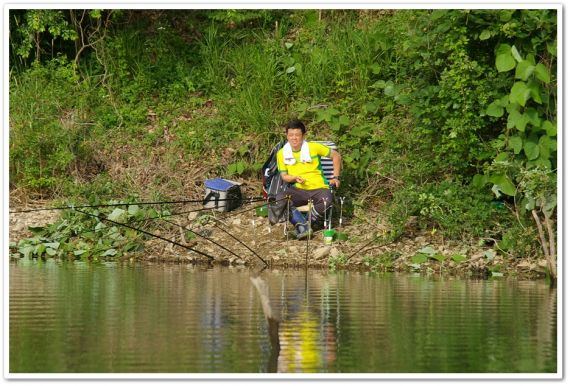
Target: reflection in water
column 306, row 340
column 75, row 317
column 272, row 322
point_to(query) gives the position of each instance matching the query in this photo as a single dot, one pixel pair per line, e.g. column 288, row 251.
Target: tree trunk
column 544, row 243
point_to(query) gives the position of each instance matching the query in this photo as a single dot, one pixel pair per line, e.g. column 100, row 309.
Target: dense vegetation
column 445, row 115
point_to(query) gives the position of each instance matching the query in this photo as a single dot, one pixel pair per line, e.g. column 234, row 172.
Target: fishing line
column 148, row 233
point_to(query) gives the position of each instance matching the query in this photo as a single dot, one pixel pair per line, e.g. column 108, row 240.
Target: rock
column 236, row 221
column 321, row 252
column 420, row 239
column 533, row 267
column 478, row 255
column 192, row 216
column 293, row 249
column 334, row 252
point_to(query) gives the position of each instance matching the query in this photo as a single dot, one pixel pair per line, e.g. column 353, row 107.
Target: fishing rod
column 162, row 218
column 242, row 243
column 365, row 245
column 257, row 198
column 148, row 233
column 229, row 213
column 141, row 220
column 208, row 239
column 238, row 213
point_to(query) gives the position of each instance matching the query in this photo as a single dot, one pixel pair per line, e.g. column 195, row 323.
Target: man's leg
column 299, row 197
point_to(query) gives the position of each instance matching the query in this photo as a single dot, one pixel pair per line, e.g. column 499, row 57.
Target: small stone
column 321, row 252
column 293, row 249
column 192, row 216
column 334, row 252
column 478, row 255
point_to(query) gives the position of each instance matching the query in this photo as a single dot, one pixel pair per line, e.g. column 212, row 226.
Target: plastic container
column 328, row 236
column 261, row 211
column 341, row 236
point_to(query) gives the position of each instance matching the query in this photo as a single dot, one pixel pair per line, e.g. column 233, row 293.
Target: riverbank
column 248, row 240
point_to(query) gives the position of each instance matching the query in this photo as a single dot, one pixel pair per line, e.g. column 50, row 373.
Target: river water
column 163, row 318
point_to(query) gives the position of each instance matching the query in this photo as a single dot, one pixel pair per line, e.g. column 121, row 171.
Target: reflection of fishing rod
column 272, row 322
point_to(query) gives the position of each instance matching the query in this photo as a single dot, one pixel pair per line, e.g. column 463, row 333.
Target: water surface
column 155, row 318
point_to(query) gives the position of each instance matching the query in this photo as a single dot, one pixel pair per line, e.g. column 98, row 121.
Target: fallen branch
column 552, row 242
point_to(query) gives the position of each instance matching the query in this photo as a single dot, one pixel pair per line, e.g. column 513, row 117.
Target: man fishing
column 299, row 163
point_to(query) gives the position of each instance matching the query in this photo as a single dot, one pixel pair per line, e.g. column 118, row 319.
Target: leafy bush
column 49, row 122
column 457, row 211
column 88, row 235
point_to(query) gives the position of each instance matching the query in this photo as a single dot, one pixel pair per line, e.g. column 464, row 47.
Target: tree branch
column 543, row 241
column 552, row 243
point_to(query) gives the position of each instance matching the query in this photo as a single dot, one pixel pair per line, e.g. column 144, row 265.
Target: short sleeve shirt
column 312, row 171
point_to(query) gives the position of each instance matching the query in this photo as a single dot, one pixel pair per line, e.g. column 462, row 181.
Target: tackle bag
column 272, row 184
column 222, row 195
column 271, row 180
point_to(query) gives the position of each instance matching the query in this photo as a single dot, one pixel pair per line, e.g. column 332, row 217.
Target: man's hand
column 299, row 180
column 335, row 182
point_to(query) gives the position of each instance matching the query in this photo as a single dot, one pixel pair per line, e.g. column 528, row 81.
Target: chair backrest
column 326, row 162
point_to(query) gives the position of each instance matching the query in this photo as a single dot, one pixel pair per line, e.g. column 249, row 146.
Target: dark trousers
column 300, row 197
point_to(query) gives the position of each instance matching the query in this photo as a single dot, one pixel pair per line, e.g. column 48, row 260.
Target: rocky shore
column 248, row 240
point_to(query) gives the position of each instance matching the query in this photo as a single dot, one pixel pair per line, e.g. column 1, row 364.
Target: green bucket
column 328, row 236
column 261, row 211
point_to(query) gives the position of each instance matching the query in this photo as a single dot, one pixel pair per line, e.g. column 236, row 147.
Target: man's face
column 295, row 138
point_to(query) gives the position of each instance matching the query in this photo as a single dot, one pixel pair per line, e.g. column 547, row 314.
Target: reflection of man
column 299, row 163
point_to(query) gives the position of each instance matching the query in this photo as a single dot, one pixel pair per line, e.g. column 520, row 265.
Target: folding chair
column 328, row 171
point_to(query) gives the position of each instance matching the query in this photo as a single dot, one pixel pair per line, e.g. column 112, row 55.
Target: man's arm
column 292, row 179
column 337, row 164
